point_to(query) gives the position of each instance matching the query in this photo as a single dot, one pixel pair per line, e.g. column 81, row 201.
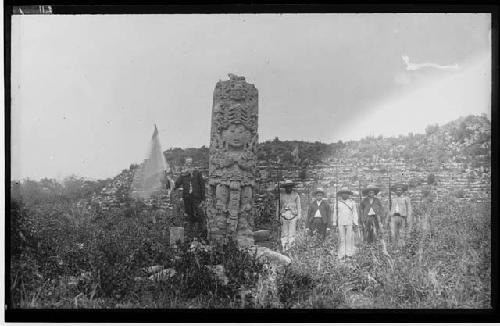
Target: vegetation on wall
column 461, row 140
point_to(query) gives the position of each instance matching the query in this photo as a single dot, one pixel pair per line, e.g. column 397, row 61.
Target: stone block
column 176, row 234
column 262, row 235
column 273, row 257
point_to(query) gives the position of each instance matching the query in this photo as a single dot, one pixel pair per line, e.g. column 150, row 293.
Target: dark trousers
column 319, row 226
column 372, row 228
column 196, row 218
column 191, row 208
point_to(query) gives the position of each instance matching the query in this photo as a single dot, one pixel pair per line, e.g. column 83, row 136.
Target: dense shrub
column 73, row 254
column 193, row 276
column 63, row 256
column 266, row 210
column 293, row 286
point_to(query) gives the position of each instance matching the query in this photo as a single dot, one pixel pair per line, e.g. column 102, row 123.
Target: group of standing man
column 366, row 220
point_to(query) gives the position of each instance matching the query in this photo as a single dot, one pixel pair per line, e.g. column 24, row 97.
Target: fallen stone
column 163, row 275
column 273, row 257
column 268, row 244
column 262, row 235
column 359, row 301
column 73, row 281
column 153, row 269
column 176, row 234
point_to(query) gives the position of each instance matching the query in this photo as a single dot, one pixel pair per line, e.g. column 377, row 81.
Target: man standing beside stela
column 289, row 215
column 193, row 195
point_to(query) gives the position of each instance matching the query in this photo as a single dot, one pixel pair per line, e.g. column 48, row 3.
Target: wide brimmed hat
column 395, row 186
column 369, row 188
column 319, row 190
column 288, row 183
column 344, row 190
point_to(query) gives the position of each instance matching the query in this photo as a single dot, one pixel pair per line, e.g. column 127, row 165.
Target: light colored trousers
column 288, row 232
column 398, row 230
column 346, row 241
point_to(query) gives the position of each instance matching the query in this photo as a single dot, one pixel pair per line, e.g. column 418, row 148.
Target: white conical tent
column 149, row 177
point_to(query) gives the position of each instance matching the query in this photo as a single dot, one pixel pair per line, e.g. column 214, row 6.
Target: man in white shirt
column 347, row 219
column 290, row 213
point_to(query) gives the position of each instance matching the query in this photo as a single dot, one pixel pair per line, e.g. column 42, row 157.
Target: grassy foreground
column 67, row 258
column 445, row 267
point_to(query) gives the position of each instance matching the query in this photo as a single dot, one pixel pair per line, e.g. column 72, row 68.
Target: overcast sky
column 87, row 90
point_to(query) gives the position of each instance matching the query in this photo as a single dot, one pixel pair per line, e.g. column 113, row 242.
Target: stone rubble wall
column 118, row 194
column 370, row 161
column 450, row 178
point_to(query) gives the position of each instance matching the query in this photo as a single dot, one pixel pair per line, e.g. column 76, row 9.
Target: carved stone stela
column 232, row 162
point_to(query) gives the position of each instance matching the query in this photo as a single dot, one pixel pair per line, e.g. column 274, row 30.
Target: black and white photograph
column 331, row 161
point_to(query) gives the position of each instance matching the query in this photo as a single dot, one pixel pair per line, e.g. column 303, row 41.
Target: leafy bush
column 294, row 286
column 194, row 276
column 63, row 257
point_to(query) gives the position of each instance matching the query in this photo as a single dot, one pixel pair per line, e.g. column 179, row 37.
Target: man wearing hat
column 347, row 219
column 400, row 214
column 319, row 215
column 290, row 212
column 371, row 212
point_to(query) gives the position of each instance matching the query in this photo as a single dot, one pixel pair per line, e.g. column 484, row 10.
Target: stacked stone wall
column 118, row 195
column 457, row 179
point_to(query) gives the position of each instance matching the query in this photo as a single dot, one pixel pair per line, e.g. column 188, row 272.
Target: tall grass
column 447, row 266
column 64, row 257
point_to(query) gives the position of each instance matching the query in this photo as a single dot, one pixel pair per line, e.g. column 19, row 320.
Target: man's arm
column 387, row 213
column 360, row 212
column 279, row 206
column 409, row 212
column 329, row 212
column 299, row 208
column 335, row 216
column 383, row 208
column 383, row 211
column 362, row 208
column 355, row 214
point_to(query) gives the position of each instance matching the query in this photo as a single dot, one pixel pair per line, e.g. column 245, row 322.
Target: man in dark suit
column 319, row 214
column 372, row 211
column 193, row 195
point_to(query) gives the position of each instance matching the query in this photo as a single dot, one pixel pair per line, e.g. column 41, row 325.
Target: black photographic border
column 251, row 315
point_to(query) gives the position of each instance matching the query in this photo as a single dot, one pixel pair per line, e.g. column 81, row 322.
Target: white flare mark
column 417, row 66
